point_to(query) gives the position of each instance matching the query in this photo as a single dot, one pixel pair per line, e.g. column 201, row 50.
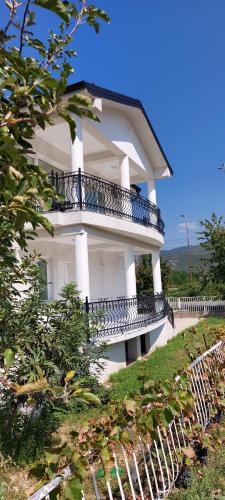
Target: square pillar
column 156, row 272
column 77, row 149
column 82, row 265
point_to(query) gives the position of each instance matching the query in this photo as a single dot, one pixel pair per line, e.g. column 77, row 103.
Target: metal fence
column 151, row 469
column 81, row 191
column 199, row 304
column 116, row 316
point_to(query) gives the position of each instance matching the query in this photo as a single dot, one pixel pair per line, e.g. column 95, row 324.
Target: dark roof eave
column 120, row 98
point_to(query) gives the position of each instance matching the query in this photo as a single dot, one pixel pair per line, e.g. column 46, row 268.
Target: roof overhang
column 136, row 113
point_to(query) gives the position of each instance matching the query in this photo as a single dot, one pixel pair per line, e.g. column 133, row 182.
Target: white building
column 103, row 222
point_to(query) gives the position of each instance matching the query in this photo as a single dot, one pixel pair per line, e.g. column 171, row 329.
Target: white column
column 130, row 276
column 151, row 191
column 125, row 173
column 77, row 150
column 156, row 271
column 82, row 266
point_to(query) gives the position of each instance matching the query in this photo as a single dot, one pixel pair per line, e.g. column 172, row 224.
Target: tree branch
column 79, row 20
column 12, row 14
column 11, row 123
column 23, row 26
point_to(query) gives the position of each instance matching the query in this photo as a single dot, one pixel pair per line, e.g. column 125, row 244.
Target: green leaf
column 130, row 405
column 71, row 123
column 92, row 398
column 101, row 14
column 50, row 82
column 168, row 415
column 166, row 388
column 73, row 489
column 9, row 358
column 37, row 470
column 174, row 407
column 56, row 6
column 105, row 455
column 125, row 437
column 80, row 99
column 69, row 376
column 39, row 386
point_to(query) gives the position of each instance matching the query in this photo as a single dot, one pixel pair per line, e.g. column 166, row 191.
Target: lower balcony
column 111, row 317
column 79, row 191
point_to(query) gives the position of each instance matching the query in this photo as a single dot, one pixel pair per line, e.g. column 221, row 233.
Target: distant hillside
column 178, row 257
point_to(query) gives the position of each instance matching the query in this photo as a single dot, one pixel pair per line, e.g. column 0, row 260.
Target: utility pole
column 189, row 250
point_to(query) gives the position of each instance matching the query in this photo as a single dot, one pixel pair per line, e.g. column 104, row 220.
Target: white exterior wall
column 115, row 360
column 106, row 269
column 116, row 128
column 116, row 355
column 107, row 276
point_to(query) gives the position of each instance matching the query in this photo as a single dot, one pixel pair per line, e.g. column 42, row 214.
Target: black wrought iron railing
column 81, row 191
column 117, row 316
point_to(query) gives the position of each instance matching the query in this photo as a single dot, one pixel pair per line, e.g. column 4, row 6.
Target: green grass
column 162, row 364
column 206, row 482
column 165, row 361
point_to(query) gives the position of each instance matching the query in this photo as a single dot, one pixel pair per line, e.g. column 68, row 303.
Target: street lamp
column 189, row 249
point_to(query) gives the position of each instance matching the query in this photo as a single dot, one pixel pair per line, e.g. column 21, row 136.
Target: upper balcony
column 118, row 151
column 86, row 192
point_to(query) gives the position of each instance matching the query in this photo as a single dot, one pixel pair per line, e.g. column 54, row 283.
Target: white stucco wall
column 116, row 355
column 115, row 126
column 115, row 360
column 107, row 275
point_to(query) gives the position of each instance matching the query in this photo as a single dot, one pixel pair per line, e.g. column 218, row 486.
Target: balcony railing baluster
column 117, row 316
column 81, row 191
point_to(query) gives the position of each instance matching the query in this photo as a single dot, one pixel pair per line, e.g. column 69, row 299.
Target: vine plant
column 155, row 408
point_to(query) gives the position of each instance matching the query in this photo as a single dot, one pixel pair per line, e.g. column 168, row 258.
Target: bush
column 39, row 344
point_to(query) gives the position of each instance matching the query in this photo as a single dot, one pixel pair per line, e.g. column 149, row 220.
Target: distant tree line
column 208, row 277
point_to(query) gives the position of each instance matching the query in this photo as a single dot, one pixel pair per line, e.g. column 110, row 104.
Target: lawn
column 162, row 364
column 166, row 361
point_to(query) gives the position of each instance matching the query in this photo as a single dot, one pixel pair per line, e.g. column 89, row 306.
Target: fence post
column 80, row 189
column 178, row 303
column 87, row 308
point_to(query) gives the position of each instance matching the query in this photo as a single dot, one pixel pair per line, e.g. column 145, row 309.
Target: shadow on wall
column 119, row 355
column 159, row 337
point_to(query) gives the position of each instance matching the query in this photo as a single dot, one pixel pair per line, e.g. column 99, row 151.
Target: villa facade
column 102, row 222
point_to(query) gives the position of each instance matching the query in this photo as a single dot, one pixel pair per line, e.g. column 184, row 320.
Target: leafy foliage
column 47, row 354
column 156, row 407
column 50, row 339
column 213, row 239
column 33, row 79
column 144, row 275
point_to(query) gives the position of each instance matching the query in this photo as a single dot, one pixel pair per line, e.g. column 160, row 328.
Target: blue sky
column 171, row 55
